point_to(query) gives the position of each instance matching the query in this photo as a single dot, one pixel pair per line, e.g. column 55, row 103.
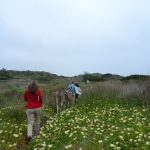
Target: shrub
column 92, row 77
column 4, row 75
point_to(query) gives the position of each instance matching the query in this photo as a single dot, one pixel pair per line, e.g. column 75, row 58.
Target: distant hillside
column 99, row 77
column 46, row 76
column 109, row 76
column 136, row 77
column 36, row 75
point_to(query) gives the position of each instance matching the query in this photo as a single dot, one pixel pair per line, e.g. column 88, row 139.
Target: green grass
column 94, row 124
column 13, row 127
column 109, row 115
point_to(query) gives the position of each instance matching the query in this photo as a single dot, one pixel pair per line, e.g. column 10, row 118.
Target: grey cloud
column 70, row 37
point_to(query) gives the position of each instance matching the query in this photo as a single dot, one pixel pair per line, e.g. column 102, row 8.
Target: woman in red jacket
column 34, row 102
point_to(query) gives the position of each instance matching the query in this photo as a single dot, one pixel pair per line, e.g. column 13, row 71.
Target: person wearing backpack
column 34, row 102
column 71, row 88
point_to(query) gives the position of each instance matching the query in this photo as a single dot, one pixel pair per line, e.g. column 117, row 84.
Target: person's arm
column 79, row 89
column 40, row 98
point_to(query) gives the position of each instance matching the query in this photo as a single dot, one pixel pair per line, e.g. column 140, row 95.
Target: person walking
column 77, row 91
column 71, row 88
column 34, row 102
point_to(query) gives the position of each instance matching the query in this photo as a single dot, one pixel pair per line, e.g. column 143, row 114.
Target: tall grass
column 128, row 92
column 131, row 91
column 94, row 112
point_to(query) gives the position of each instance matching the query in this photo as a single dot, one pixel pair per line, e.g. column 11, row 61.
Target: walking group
column 75, row 90
column 34, row 102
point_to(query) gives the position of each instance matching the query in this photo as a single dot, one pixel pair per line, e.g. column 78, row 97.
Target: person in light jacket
column 77, row 91
column 34, row 102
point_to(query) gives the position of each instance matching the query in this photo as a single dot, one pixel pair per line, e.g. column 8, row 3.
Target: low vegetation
column 96, row 125
column 111, row 114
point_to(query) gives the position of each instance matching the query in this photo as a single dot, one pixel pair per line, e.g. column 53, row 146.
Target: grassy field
column 96, row 125
column 109, row 115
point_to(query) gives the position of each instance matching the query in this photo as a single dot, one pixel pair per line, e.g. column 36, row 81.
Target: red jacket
column 33, row 100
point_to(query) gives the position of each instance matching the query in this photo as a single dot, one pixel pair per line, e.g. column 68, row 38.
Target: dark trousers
column 76, row 96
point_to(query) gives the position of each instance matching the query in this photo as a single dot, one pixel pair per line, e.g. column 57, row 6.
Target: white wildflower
column 68, row 146
column 50, row 145
column 100, row 141
column 15, row 135
column 131, row 140
column 121, row 138
column 112, row 145
column 66, row 132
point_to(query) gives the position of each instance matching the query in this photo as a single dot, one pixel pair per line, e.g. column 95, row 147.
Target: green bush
column 92, row 77
column 136, row 77
column 4, row 75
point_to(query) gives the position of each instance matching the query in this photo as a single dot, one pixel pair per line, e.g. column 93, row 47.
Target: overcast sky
column 70, row 37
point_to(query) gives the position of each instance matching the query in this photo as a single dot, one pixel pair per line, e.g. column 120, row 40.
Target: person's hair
column 77, row 85
column 32, row 87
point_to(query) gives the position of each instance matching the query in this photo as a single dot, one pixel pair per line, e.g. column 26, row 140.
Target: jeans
column 33, row 116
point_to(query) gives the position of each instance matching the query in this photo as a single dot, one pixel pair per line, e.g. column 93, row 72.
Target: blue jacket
column 72, row 88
